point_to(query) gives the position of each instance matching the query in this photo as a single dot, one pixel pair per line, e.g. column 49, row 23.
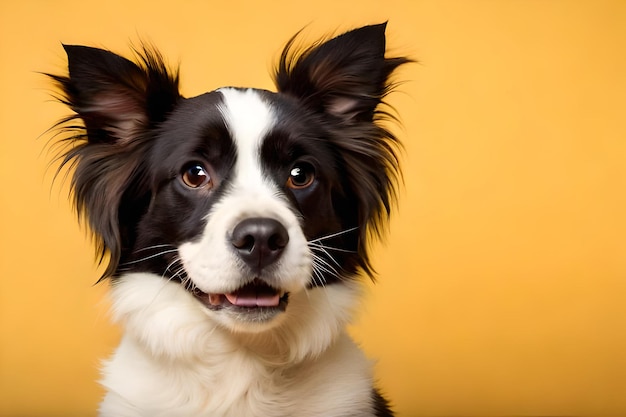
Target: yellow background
column 502, row 286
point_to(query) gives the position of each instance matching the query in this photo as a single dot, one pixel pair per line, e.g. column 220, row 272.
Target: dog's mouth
column 254, row 296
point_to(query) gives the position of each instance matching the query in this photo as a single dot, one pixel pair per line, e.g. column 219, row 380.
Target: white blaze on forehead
column 248, row 119
column 211, row 262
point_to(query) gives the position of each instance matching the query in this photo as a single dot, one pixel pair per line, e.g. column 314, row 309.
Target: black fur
column 381, row 405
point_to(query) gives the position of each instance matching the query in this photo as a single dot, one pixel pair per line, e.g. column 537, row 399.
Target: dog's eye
column 196, row 176
column 301, row 175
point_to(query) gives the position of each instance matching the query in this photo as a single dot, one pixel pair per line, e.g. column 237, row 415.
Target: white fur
column 210, row 262
column 175, row 361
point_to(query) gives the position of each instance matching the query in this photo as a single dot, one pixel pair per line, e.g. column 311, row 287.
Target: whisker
column 352, row 229
column 325, row 268
column 323, row 250
column 178, row 272
column 153, row 247
column 322, row 266
column 176, row 259
column 316, row 245
column 318, row 278
column 149, row 257
column 184, row 279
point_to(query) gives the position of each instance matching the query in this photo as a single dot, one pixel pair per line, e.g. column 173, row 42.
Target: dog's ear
column 346, row 76
column 119, row 102
column 116, row 98
column 346, row 79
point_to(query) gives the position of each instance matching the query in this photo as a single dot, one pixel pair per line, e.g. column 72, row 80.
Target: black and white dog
column 235, row 225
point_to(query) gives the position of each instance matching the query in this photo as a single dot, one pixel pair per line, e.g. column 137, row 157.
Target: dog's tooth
column 232, row 298
column 215, row 299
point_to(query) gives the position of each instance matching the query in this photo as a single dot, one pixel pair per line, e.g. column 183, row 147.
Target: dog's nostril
column 278, row 241
column 259, row 241
column 243, row 242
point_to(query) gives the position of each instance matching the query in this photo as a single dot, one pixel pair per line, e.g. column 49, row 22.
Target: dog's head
column 244, row 197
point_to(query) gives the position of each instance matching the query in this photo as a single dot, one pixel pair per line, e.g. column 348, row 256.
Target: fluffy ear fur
column 345, row 80
column 346, row 76
column 119, row 102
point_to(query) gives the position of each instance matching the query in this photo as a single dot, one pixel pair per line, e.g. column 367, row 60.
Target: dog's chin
column 255, row 306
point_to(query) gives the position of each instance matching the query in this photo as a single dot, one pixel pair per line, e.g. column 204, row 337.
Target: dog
column 234, row 226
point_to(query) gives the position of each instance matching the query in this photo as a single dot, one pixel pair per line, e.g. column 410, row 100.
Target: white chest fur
column 174, row 361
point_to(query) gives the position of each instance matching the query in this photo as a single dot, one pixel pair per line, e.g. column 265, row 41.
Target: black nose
column 259, row 241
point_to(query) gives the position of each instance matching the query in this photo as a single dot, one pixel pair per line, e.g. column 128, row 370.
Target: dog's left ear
column 346, row 76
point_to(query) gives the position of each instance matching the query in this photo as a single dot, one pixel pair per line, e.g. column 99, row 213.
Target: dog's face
column 254, row 181
column 245, row 197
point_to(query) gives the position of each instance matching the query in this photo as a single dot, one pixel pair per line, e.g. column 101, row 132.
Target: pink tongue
column 252, row 299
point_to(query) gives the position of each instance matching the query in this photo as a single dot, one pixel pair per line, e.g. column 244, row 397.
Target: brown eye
column 196, row 176
column 301, row 176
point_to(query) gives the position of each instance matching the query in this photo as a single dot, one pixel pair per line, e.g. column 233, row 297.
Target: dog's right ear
column 119, row 102
column 116, row 98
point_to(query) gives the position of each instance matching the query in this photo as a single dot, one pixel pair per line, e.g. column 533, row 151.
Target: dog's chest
column 238, row 384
